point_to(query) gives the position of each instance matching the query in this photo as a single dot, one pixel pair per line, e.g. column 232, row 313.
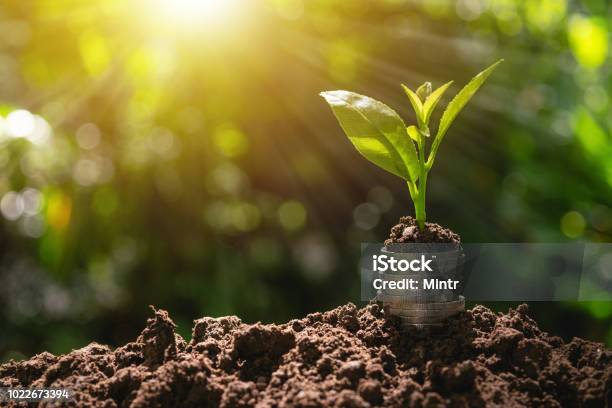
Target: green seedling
column 381, row 136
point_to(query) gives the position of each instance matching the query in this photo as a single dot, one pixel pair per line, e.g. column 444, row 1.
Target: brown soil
column 407, row 232
column 347, row 357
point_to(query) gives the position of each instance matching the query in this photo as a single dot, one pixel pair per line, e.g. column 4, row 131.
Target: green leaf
column 456, row 105
column 376, row 131
column 425, row 130
column 413, row 132
column 424, row 91
column 430, row 104
column 416, row 103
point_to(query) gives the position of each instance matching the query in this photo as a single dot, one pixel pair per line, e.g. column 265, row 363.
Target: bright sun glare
column 196, row 12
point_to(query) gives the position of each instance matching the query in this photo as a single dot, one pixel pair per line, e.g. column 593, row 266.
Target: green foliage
column 376, row 131
column 379, row 134
column 413, row 132
column 432, row 101
column 456, row 105
column 416, row 103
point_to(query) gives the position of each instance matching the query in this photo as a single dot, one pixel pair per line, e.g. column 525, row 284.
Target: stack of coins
column 424, row 314
column 420, row 306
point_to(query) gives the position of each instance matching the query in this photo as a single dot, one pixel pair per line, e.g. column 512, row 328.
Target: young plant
column 381, row 136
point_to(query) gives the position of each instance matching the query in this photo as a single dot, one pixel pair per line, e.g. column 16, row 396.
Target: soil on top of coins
column 346, row 357
column 407, row 232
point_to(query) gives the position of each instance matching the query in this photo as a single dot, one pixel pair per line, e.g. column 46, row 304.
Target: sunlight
column 196, row 13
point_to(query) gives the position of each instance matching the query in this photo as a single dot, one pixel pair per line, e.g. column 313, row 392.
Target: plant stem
column 419, row 202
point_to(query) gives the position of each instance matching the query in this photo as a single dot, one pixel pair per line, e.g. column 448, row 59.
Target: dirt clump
column 407, row 232
column 346, row 357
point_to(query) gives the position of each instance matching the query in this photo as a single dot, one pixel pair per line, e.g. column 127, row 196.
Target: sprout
column 381, row 136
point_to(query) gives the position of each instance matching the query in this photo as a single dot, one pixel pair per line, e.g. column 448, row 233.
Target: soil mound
column 346, row 357
column 407, row 231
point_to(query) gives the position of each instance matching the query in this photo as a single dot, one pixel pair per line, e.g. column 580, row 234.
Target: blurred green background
column 176, row 152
